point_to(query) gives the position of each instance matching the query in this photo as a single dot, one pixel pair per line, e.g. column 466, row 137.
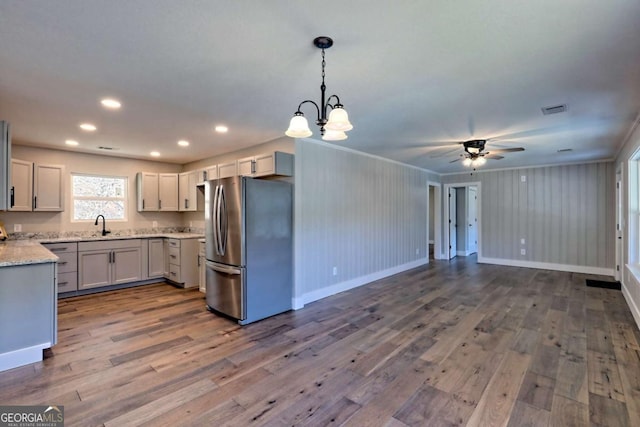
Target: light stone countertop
column 30, row 251
column 23, row 252
column 116, row 236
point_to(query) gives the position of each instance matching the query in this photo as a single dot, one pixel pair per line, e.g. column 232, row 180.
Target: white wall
column 361, row 214
column 92, row 164
column 565, row 214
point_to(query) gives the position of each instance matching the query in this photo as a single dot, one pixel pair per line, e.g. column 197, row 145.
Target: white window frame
column 124, row 198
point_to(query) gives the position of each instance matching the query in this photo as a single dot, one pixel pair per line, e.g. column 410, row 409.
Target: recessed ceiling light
column 183, row 143
column 88, row 127
column 222, row 129
column 71, row 142
column 111, row 103
column 155, row 154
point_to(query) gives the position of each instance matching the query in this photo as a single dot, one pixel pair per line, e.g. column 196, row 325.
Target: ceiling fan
column 475, row 154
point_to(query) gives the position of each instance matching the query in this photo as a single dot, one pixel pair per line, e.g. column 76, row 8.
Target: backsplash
column 94, row 233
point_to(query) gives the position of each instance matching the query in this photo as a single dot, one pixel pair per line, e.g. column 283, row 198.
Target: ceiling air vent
column 106, row 148
column 554, row 109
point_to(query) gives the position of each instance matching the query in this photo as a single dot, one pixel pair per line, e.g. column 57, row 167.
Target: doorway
column 619, row 226
column 434, row 220
column 462, row 218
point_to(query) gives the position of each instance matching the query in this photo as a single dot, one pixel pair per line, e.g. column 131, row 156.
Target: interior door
column 472, row 219
column 452, row 223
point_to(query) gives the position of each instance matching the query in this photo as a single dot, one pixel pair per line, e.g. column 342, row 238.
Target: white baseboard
column 299, row 302
column 632, row 274
column 547, row 266
column 24, row 356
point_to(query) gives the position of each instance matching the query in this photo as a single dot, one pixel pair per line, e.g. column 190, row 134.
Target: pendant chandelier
column 332, row 128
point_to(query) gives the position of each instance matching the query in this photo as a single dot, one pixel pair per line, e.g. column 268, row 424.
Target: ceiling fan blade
column 506, row 150
column 493, row 156
column 453, row 161
column 444, row 154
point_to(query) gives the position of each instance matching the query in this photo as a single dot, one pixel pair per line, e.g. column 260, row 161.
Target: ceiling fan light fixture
column 298, row 127
column 467, row 161
column 479, row 161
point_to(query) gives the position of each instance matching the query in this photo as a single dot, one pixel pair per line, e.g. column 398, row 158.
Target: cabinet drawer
column 67, row 282
column 173, row 243
column 68, row 262
column 174, row 255
column 56, row 248
column 174, row 273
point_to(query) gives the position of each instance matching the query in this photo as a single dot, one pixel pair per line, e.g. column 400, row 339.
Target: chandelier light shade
column 298, row 127
column 333, row 127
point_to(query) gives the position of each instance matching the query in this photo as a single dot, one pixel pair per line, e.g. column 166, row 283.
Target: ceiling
column 413, row 75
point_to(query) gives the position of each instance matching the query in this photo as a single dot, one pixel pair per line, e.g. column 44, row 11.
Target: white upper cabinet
column 47, row 188
column 226, row 170
column 157, row 191
column 274, row 163
column 21, row 185
column 188, row 191
column 168, row 191
column 246, row 166
column 147, row 186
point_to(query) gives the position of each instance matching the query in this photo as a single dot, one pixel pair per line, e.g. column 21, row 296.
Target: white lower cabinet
column 202, row 267
column 67, row 265
column 156, row 258
column 105, row 263
column 182, row 262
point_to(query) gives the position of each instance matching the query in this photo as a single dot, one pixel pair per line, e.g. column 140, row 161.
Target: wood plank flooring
column 451, row 343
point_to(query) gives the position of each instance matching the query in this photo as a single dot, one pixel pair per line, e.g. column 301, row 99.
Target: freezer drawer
column 225, row 289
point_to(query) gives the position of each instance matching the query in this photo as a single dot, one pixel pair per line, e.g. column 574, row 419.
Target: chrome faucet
column 104, row 231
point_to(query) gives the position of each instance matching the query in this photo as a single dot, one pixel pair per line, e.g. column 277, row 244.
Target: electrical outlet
column 335, row 271
column 523, row 178
column 523, row 251
column 17, row 228
column 522, row 241
column 154, row 224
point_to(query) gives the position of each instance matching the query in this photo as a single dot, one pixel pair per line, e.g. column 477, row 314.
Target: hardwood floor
column 452, row 343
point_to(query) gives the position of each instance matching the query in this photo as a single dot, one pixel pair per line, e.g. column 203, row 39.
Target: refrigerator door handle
column 216, row 219
column 223, row 222
column 233, row 271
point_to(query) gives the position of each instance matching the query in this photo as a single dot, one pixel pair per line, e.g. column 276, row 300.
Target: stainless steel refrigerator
column 249, row 247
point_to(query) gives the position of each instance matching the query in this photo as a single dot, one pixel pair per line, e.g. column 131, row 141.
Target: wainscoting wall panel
column 356, row 216
column 566, row 214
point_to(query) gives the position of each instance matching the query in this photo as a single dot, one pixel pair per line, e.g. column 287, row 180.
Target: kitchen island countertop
column 24, row 252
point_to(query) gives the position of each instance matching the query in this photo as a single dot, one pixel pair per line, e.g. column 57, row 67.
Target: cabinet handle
column 172, row 256
column 35, row 202
column 173, row 273
column 62, row 283
column 58, row 249
column 186, row 203
column 62, row 262
column 253, row 166
column 142, row 203
column 159, row 204
column 13, row 196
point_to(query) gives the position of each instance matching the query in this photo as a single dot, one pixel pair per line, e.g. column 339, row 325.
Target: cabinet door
column 126, row 265
column 168, row 191
column 21, row 185
column 148, row 197
column 188, row 191
column 47, row 188
column 212, row 172
column 246, row 166
column 226, row 170
column 275, row 163
column 94, row 269
column 156, row 258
